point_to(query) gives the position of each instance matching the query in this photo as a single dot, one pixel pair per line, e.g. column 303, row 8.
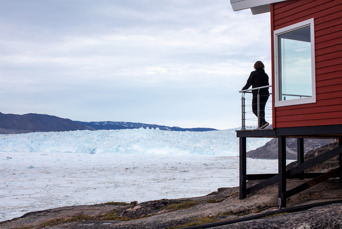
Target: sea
column 47, row 170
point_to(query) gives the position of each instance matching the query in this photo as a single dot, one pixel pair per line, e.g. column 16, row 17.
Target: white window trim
column 278, row 32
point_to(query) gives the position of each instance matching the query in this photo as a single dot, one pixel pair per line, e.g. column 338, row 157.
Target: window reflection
column 295, row 76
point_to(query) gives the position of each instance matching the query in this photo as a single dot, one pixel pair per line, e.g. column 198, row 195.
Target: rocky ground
column 223, row 205
column 260, row 209
column 268, row 150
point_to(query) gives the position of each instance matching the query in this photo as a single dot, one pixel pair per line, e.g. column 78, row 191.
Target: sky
column 170, row 62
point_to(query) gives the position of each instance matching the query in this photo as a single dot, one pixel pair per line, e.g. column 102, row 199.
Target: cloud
column 127, row 59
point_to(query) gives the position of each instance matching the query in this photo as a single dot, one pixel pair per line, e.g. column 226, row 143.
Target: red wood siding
column 327, row 16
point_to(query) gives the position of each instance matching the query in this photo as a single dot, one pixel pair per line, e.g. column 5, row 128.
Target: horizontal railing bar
column 257, row 88
column 252, row 89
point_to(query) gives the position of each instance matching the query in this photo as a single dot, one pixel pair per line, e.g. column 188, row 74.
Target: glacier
column 54, row 169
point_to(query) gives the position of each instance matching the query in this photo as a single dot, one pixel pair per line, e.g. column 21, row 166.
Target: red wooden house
column 307, row 82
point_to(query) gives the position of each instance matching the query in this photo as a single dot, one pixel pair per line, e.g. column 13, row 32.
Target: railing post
column 243, row 109
column 243, row 105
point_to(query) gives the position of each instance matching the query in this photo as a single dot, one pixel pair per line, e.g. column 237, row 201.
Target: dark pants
column 263, row 100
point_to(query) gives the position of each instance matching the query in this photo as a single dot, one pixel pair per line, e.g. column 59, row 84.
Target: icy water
column 46, row 170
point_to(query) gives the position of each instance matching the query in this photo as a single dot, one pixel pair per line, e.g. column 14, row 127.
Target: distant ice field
column 45, row 170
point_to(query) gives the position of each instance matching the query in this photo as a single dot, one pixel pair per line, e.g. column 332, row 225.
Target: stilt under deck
column 298, row 172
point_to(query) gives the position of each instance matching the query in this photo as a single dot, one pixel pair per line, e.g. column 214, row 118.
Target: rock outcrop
column 270, row 149
column 13, row 123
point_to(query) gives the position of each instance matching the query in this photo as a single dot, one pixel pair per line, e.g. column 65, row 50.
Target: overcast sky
column 168, row 62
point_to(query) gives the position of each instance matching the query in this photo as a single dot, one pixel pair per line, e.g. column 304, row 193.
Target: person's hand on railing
column 252, row 89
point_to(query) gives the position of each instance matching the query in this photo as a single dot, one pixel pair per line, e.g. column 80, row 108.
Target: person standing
column 259, row 78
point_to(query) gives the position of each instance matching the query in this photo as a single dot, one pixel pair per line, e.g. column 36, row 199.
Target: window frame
column 276, row 33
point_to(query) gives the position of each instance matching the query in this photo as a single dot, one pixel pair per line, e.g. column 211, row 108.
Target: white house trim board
column 249, row 4
column 261, row 9
column 277, row 102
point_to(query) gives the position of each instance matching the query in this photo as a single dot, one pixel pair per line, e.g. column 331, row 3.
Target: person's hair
column 258, row 65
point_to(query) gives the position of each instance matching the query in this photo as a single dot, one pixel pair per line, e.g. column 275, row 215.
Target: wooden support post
column 282, row 171
column 243, row 167
column 340, row 158
column 300, row 154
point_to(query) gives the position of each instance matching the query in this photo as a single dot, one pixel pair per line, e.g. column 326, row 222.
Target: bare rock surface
column 269, row 150
column 223, row 205
column 327, row 216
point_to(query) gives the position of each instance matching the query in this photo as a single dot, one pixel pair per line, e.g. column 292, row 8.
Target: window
column 295, row 64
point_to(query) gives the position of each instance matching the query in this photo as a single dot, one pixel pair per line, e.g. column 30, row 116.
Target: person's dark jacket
column 257, row 78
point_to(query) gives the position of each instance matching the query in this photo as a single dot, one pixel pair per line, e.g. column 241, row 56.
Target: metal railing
column 283, row 96
column 251, row 117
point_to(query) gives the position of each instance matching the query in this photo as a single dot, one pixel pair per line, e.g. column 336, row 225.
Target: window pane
column 295, row 76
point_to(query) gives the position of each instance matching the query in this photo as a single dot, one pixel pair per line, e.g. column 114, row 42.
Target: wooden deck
column 298, row 172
